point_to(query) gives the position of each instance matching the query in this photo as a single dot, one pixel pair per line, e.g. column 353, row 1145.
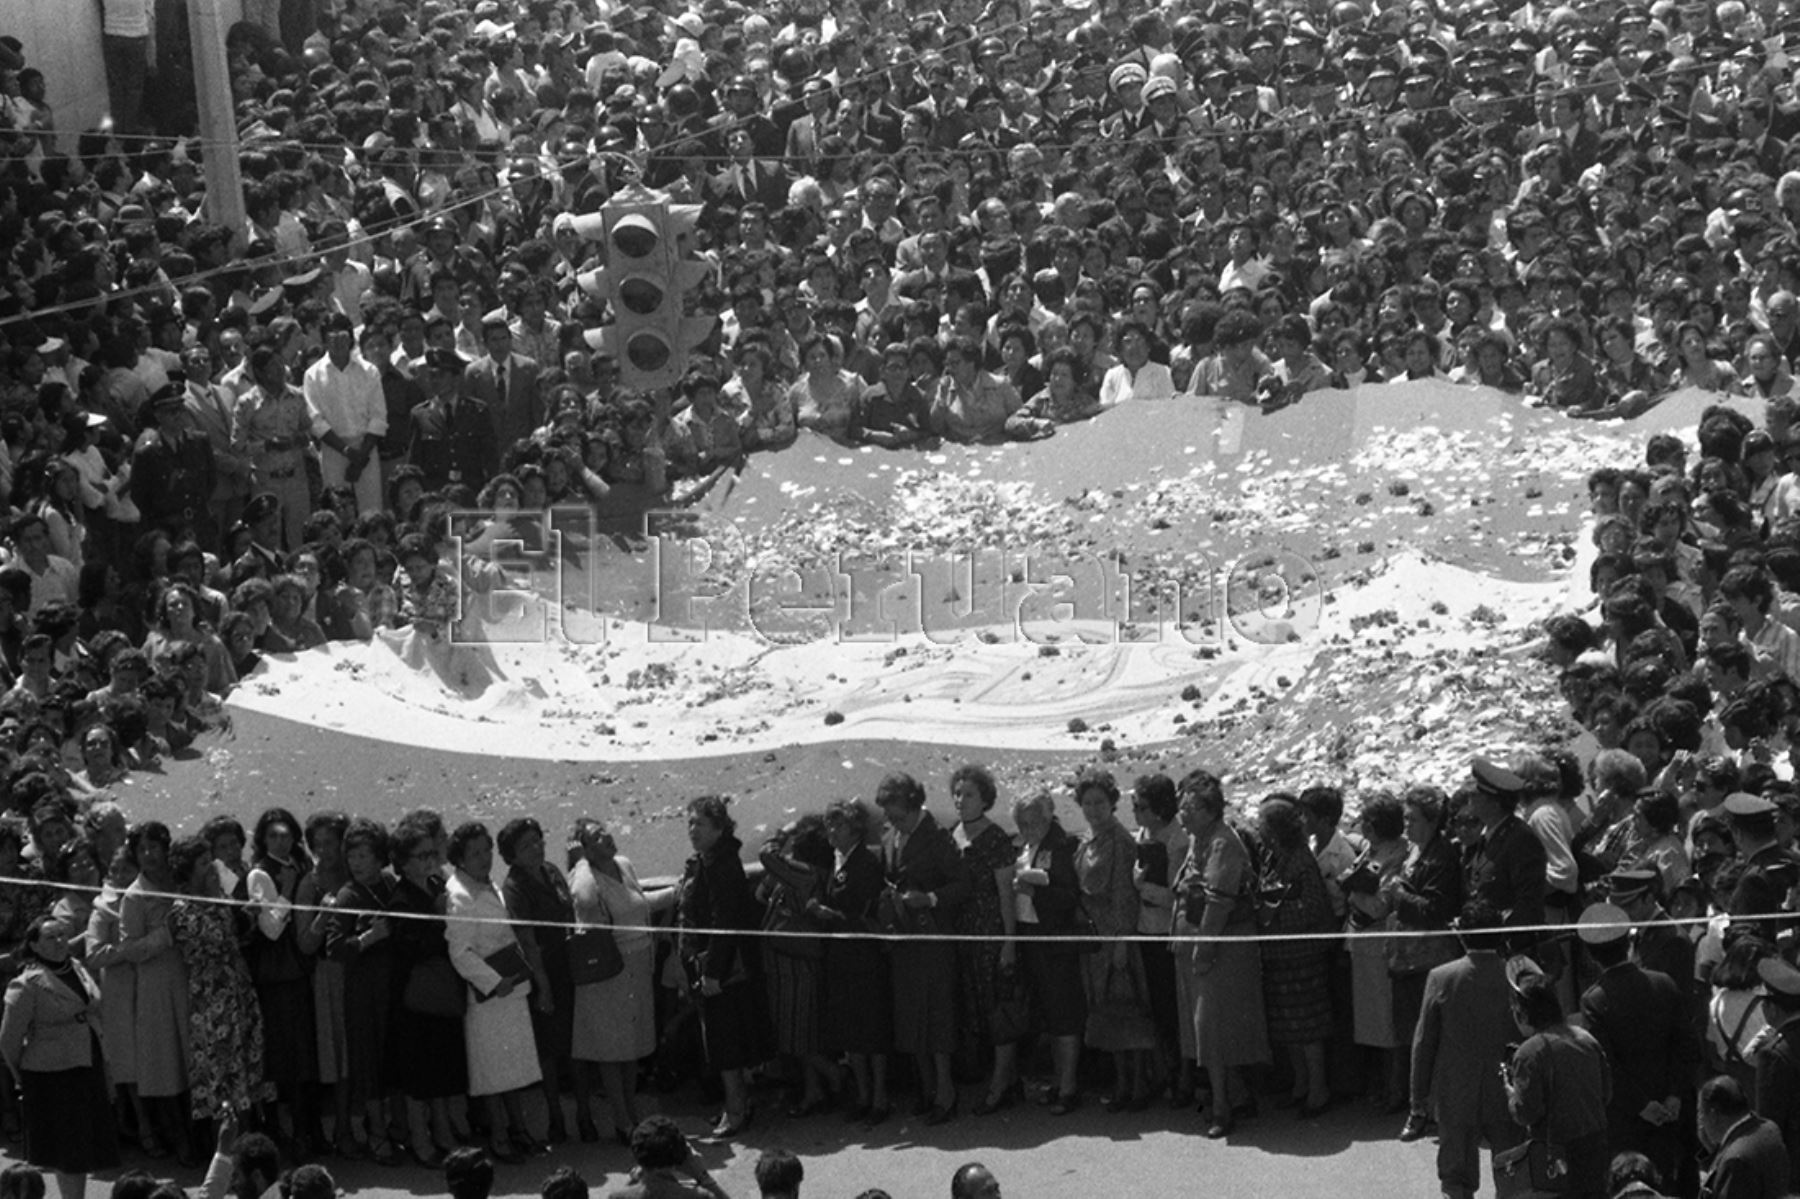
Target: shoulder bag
column 594, row 953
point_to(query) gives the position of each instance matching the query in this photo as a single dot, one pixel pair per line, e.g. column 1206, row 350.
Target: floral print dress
column 225, row 1067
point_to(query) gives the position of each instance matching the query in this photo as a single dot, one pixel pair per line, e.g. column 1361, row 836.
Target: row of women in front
column 383, row 967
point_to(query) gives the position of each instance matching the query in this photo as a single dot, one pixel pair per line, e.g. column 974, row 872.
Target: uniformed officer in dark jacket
column 452, row 436
column 1641, row 1020
column 262, row 517
column 172, row 470
column 1657, row 943
column 1769, row 872
column 1507, row 868
column 1778, row 1065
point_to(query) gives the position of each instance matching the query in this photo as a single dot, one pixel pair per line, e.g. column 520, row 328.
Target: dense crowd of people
column 973, row 223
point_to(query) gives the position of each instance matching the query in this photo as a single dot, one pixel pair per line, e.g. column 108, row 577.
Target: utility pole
column 218, row 121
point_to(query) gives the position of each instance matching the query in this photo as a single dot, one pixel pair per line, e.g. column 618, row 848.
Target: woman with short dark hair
column 360, row 938
column 537, row 895
column 426, row 1032
column 721, row 965
column 1296, row 974
column 987, row 852
column 1162, row 846
column 226, row 1031
column 1220, row 978
column 160, row 1030
column 282, row 969
column 50, row 1042
column 502, row 1051
column 858, row 1018
column 1118, row 1006
column 614, row 1018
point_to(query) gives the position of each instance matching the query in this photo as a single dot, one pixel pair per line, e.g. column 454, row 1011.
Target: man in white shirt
column 52, row 578
column 349, row 414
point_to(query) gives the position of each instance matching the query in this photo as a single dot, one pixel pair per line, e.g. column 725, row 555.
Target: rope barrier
column 1181, row 936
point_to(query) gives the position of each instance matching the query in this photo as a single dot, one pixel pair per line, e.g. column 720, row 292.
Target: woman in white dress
column 615, row 1020
column 503, row 1056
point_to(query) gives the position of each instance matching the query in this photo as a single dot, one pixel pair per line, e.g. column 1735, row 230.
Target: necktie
column 500, row 380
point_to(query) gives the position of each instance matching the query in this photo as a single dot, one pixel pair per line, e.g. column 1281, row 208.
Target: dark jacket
column 1751, row 1163
column 1639, row 1018
column 453, row 449
column 929, row 861
column 1507, row 870
column 1428, row 895
column 716, row 894
column 1778, row 1085
column 1465, row 1024
column 1057, row 902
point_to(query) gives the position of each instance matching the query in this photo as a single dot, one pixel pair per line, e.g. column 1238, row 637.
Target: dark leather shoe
column 941, row 1115
column 1218, row 1130
column 1417, row 1128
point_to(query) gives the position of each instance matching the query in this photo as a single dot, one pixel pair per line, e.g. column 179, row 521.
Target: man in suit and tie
column 507, row 383
column 1639, row 1018
column 1748, row 1161
column 209, row 409
column 1459, row 1044
column 450, row 436
column 750, row 181
column 927, row 882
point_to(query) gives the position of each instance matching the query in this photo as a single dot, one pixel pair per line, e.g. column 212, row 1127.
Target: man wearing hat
column 1769, row 872
column 451, row 435
column 1778, row 1065
column 1126, row 83
column 262, row 560
column 1657, row 943
column 1459, row 1044
column 1507, row 867
column 172, row 470
column 1641, row 1020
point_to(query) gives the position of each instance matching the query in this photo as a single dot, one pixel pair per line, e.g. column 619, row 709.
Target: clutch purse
column 509, row 963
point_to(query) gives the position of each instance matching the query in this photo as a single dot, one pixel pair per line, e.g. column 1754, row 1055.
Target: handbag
column 434, row 988
column 1535, row 1167
column 594, row 954
column 509, row 963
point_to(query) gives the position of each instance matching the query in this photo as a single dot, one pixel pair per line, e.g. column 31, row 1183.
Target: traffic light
column 645, row 277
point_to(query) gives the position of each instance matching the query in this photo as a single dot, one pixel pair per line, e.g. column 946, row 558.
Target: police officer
column 451, row 437
column 263, row 559
column 1506, row 869
column 172, row 469
column 1778, row 1065
column 1657, row 943
column 1769, row 872
column 1640, row 1019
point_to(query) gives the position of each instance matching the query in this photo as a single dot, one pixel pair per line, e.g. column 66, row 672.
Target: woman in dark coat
column 536, row 891
column 796, row 862
column 988, row 852
column 426, row 1054
column 50, row 1041
column 858, row 1017
column 1296, row 974
column 1048, row 891
column 283, row 971
column 715, row 894
column 364, row 945
column 1425, row 895
column 927, row 885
